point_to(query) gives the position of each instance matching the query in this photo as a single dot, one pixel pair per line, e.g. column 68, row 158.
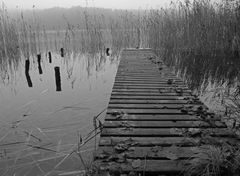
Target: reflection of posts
column 27, row 64
column 62, row 52
column 39, row 64
column 50, row 57
column 58, row 78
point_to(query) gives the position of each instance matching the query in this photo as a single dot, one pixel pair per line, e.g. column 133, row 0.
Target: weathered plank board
column 151, row 94
column 146, row 111
column 158, row 132
column 157, row 141
column 148, row 120
column 139, row 97
column 153, row 117
column 152, row 152
column 146, row 81
column 161, row 124
column 142, row 101
column 147, row 87
column 145, row 106
column 156, row 166
column 149, row 141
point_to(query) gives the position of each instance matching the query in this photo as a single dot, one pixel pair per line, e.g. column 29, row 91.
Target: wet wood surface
column 153, row 123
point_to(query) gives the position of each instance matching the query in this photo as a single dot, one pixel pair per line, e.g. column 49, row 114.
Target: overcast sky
column 123, row 4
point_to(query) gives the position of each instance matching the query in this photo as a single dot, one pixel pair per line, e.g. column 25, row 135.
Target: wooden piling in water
column 39, row 64
column 108, row 51
column 27, row 66
column 62, row 52
column 50, row 57
column 58, row 79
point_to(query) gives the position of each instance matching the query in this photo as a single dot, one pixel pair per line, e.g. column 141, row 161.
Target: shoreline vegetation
column 200, row 40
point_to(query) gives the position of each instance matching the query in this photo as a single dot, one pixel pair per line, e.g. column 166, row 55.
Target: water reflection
column 39, row 123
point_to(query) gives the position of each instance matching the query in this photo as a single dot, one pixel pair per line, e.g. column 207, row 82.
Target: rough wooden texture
column 154, row 124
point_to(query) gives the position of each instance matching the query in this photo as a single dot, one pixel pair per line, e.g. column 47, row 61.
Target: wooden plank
column 157, row 77
column 137, row 68
column 145, row 111
column 158, row 132
column 157, row 166
column 149, row 85
column 149, row 81
column 140, row 70
column 154, row 90
column 156, row 152
column 145, row 87
column 143, row 60
column 149, row 101
column 153, row 81
column 145, row 106
column 161, row 141
column 150, row 94
column 151, row 141
column 155, row 117
column 162, row 124
column 149, row 98
column 150, row 91
column 148, row 72
column 153, row 106
column 141, row 65
column 144, row 74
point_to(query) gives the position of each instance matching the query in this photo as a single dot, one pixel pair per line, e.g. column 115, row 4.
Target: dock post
column 58, row 78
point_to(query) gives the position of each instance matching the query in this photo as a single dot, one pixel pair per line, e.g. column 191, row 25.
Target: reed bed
column 201, row 39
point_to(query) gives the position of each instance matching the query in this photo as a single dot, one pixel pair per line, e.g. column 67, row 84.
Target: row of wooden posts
column 56, row 69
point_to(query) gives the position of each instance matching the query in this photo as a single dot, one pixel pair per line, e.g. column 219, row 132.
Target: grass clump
column 212, row 160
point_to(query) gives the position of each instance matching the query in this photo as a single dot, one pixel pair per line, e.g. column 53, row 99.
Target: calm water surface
column 42, row 112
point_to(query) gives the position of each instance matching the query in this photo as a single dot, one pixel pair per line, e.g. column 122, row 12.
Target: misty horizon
column 120, row 4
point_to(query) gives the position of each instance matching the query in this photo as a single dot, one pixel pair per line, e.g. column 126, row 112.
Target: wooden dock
column 153, row 124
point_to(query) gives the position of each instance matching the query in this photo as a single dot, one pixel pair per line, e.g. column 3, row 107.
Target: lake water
column 44, row 110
